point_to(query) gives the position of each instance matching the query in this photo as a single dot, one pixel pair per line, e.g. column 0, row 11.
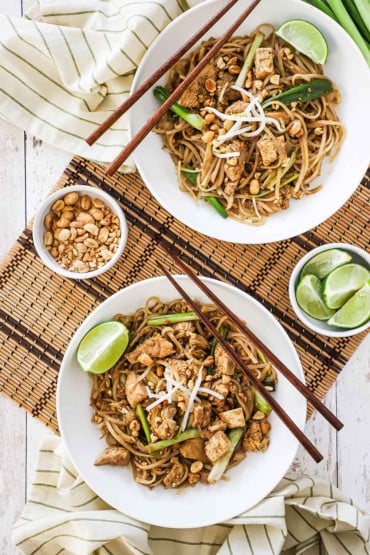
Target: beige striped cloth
column 68, row 63
column 303, row 517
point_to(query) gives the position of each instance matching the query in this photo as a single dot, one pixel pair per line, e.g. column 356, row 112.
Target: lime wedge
column 306, row 38
column 308, row 295
column 342, row 282
column 325, row 262
column 355, row 312
column 102, row 347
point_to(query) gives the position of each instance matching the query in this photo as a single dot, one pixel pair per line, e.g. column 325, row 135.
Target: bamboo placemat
column 40, row 310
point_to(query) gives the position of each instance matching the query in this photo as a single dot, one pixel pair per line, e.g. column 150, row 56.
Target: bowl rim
column 38, row 230
column 149, row 283
column 301, row 315
column 237, row 233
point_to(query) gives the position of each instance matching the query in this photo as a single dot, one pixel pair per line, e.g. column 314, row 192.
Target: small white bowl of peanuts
column 79, row 232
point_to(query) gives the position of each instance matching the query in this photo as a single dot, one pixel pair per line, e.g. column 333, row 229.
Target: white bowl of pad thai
column 276, row 142
column 150, row 435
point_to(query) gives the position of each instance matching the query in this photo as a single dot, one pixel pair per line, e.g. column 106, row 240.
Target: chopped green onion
column 261, row 356
column 346, row 22
column 195, row 120
column 220, row 466
column 192, row 177
column 217, row 206
column 261, row 404
column 302, row 93
column 144, row 422
column 165, row 319
column 188, row 434
column 248, row 62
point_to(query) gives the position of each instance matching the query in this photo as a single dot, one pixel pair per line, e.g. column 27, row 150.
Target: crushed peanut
column 81, row 233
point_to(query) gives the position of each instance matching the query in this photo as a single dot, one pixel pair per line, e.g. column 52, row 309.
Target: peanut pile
column 82, row 233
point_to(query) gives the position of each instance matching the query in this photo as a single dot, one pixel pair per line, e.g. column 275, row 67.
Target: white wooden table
column 28, row 169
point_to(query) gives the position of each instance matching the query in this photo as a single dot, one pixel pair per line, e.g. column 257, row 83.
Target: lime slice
column 305, row 38
column 342, row 282
column 325, row 262
column 308, row 295
column 102, row 346
column 355, row 312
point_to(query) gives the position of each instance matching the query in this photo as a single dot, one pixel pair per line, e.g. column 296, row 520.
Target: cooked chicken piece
column 217, row 426
column 191, row 97
column 155, row 347
column 193, row 449
column 237, row 107
column 263, row 62
column 145, row 359
column 175, row 476
column 162, row 423
column 267, row 148
column 235, row 166
column 255, row 440
column 118, row 456
column 135, row 389
column 201, row 415
column 224, row 364
column 183, row 329
column 216, row 446
column 234, row 418
column 272, row 149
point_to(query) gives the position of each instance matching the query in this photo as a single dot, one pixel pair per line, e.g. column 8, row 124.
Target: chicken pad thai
column 175, row 406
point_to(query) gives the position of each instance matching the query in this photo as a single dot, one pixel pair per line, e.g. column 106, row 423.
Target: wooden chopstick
column 288, row 374
column 103, row 127
column 175, row 95
column 291, row 425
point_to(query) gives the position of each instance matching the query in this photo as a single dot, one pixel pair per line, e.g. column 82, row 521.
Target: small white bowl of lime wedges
column 329, row 290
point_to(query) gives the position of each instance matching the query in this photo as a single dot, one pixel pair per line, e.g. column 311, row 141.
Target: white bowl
column 359, row 256
column 202, row 505
column 339, row 179
column 39, row 229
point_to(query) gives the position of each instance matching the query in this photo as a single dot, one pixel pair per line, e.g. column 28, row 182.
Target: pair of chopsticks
column 175, row 95
column 284, row 370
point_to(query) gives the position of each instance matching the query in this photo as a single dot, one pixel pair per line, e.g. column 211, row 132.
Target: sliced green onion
column 363, row 8
column 195, row 120
column 261, row 356
column 220, row 466
column 261, row 404
column 165, row 319
column 346, row 22
column 192, row 177
column 302, row 93
column 248, row 62
column 144, row 422
column 217, row 206
column 188, row 434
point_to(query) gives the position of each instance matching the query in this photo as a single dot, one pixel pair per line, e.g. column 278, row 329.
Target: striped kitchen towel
column 68, row 63
column 304, row 516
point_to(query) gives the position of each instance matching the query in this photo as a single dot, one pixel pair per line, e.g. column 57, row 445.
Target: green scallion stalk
column 319, row 4
column 346, row 22
column 187, row 434
column 144, row 422
column 261, row 356
column 357, row 19
column 363, row 8
column 192, row 177
column 248, row 62
column 220, row 466
column 195, row 120
column 166, row 319
column 261, row 404
column 302, row 93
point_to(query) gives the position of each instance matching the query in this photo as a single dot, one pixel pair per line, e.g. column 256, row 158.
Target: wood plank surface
column 28, row 169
